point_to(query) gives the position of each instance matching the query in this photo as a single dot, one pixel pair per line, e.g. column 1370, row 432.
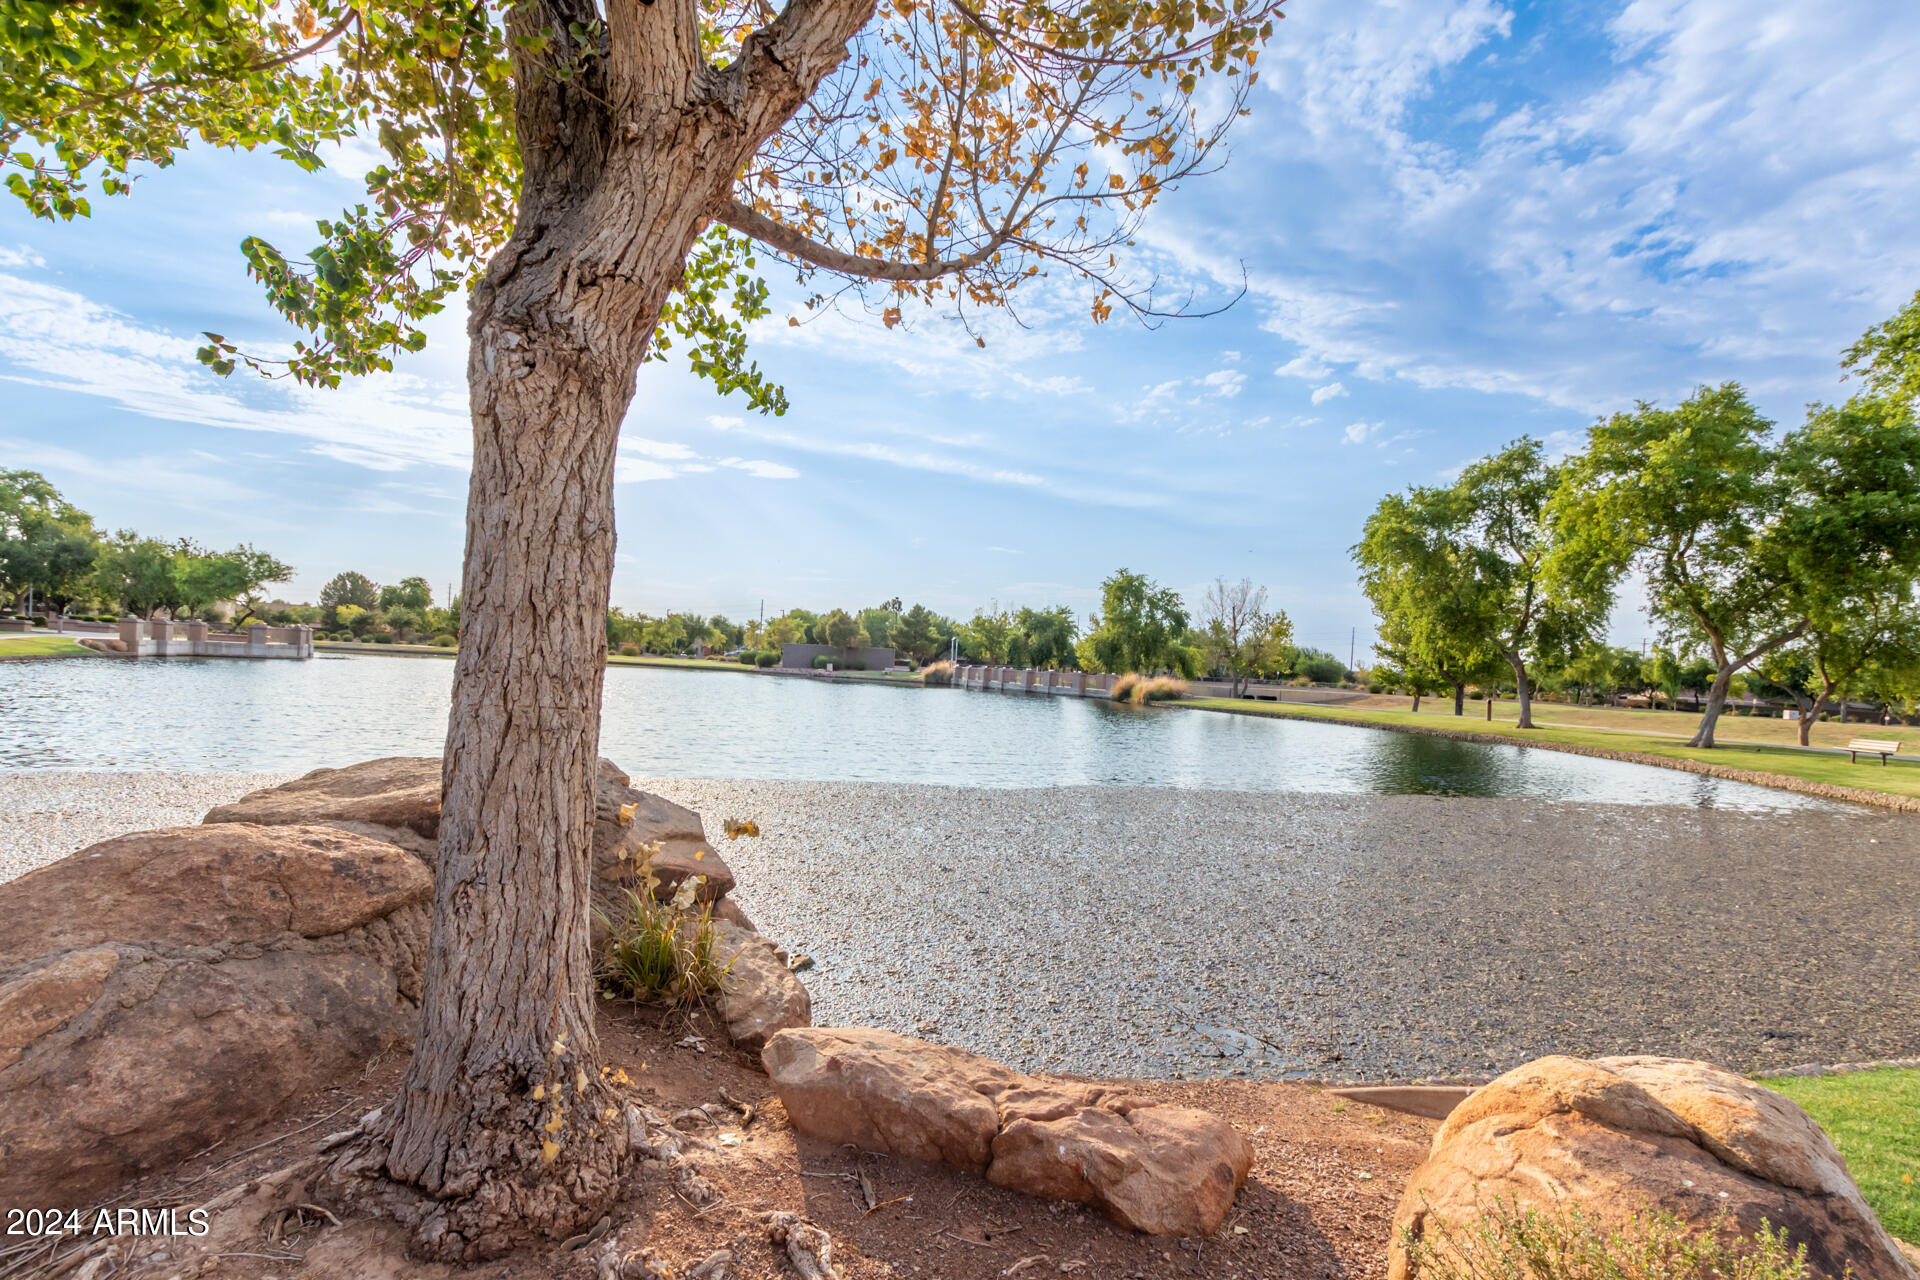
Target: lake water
column 213, row 714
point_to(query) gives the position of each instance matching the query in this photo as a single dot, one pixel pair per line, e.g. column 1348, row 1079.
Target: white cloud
column 761, row 468
column 1302, row 367
column 1225, row 382
column 20, row 256
column 1685, row 193
column 1361, row 432
column 1332, row 391
column 660, row 449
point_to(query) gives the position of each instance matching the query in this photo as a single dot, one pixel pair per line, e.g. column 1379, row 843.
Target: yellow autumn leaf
column 548, row 1152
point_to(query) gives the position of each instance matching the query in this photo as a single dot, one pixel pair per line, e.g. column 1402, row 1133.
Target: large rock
column 397, row 799
column 398, row 793
column 163, row 990
column 1159, row 1169
column 201, row 886
column 759, row 995
column 1619, row 1136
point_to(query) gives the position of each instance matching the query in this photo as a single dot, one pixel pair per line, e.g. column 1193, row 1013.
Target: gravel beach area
column 1160, row 932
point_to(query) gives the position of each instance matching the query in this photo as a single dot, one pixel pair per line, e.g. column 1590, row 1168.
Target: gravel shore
column 1159, row 932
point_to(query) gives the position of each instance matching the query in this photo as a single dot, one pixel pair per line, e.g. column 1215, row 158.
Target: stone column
column 1026, row 680
column 132, row 632
column 196, row 636
column 1080, row 684
column 256, row 641
column 304, row 635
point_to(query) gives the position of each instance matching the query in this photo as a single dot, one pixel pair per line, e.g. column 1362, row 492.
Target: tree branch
column 784, row 239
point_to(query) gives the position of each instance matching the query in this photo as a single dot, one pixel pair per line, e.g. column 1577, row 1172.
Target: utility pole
column 1351, row 633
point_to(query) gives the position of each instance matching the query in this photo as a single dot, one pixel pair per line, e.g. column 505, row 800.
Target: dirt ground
column 1318, row 1204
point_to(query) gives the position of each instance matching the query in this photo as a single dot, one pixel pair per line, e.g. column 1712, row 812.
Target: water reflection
column 208, row 714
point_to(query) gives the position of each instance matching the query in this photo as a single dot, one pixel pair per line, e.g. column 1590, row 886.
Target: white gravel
column 1161, row 932
column 50, row 814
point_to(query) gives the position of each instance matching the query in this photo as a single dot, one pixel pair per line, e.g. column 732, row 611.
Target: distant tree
column 879, row 623
column 136, row 573
column 408, row 593
column 352, row 588
column 203, row 578
column 1238, row 635
column 663, row 635
column 914, row 636
column 1047, row 637
column 1139, row 627
column 788, row 628
column 839, row 629
column 47, row 545
column 991, row 634
column 724, row 633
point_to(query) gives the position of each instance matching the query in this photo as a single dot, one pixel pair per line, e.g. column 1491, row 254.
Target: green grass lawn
column 1874, row 1118
column 1762, row 730
column 37, row 646
column 1898, row 778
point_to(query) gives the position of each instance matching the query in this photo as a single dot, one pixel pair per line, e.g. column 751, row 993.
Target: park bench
column 1882, row 747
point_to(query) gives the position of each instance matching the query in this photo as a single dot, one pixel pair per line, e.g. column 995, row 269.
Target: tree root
column 506, row 1195
column 809, row 1248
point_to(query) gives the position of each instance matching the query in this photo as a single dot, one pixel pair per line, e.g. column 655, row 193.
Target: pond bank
column 1580, row 742
column 1166, row 932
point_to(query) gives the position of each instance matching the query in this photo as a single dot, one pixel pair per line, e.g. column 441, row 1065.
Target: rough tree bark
column 502, row 1130
column 1459, row 697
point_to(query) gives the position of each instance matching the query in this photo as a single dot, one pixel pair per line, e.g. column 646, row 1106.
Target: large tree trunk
column 502, row 1130
column 1522, row 690
column 1416, row 702
column 1716, row 699
column 1459, row 697
column 1808, row 709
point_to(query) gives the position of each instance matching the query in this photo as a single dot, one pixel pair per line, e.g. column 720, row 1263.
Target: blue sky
column 1459, row 221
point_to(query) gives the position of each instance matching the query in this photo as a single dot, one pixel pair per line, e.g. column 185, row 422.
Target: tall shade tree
column 1467, row 566
column 1747, row 546
column 1685, row 495
column 598, row 178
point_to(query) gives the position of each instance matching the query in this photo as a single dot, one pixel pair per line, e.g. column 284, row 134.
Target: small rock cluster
column 1159, row 1169
column 1616, row 1137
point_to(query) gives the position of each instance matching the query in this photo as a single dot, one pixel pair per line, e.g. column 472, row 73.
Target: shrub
column 822, row 661
column 41, row 622
column 629, row 650
column 853, row 664
column 748, row 657
column 385, row 637
column 1125, row 687
column 661, row 951
column 445, row 641
column 938, row 675
column 1566, row 1244
column 1161, row 689
column 767, row 659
